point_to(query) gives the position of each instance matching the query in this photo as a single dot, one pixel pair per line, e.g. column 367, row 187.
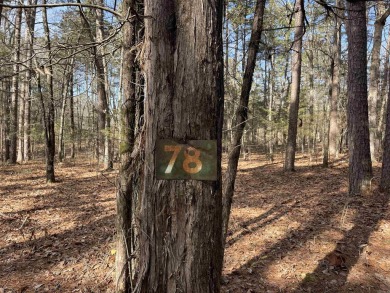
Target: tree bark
column 71, row 114
column 15, row 88
column 335, row 88
column 374, row 78
column 50, row 118
column 241, row 114
column 385, row 177
column 181, row 221
column 65, row 92
column 102, row 90
column 360, row 168
column 129, row 184
column 21, row 110
column 295, row 87
column 29, row 37
column 7, row 114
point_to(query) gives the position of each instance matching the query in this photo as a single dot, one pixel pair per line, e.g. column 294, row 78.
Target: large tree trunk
column 181, row 220
column 15, row 88
column 241, row 114
column 360, row 169
column 295, row 87
column 374, row 77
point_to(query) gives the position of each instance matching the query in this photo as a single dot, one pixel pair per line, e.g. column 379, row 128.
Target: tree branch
column 80, row 5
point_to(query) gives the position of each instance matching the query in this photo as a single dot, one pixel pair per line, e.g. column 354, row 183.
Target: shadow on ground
column 300, row 232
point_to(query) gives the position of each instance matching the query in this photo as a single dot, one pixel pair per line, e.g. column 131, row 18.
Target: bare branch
column 53, row 5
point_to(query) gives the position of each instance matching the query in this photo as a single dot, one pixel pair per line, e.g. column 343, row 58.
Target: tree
column 382, row 14
column 295, row 86
column 385, row 178
column 48, row 110
column 15, row 87
column 333, row 131
column 241, row 114
column 29, row 39
column 129, row 184
column 360, row 168
column 102, row 108
column 181, row 221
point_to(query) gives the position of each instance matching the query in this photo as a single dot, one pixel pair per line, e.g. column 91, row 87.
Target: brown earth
column 289, row 232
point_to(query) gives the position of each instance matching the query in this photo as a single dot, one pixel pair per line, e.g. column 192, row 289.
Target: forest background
column 73, row 86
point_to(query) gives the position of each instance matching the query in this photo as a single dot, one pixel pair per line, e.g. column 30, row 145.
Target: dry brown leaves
column 289, row 232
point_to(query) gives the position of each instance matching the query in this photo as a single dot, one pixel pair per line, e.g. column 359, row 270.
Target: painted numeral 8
column 192, row 164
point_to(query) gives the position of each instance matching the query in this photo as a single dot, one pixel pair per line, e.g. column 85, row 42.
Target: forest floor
column 289, row 232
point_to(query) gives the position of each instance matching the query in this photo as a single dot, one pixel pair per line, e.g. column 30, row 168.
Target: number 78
column 191, row 164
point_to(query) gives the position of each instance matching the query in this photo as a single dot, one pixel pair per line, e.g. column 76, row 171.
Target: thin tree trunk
column 374, row 77
column 241, row 114
column 270, row 111
column 15, row 88
column 71, row 114
column 385, row 177
column 50, row 132
column 295, row 87
column 383, row 98
column 129, row 184
column 102, row 90
column 65, row 89
column 360, row 168
column 30, row 25
column 335, row 88
column 21, row 110
column 7, row 114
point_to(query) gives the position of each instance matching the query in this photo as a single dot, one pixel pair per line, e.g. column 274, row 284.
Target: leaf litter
column 289, row 232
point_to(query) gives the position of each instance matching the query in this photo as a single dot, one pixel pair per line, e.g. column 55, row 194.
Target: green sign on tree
column 194, row 159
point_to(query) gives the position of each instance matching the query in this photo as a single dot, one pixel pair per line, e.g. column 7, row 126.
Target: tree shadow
column 370, row 210
column 330, row 203
column 257, row 223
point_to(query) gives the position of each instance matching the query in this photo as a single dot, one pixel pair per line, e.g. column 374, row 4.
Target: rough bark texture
column 295, row 87
column 15, row 88
column 360, row 168
column 241, row 114
column 129, row 184
column 385, row 178
column 374, row 77
column 181, row 220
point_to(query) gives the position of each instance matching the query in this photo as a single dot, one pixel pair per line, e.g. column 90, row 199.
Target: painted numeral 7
column 176, row 150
